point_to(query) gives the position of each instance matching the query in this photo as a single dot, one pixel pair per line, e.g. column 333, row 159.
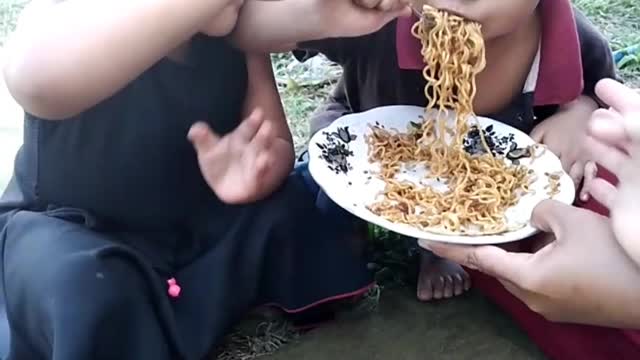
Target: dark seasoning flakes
column 497, row 144
column 335, row 150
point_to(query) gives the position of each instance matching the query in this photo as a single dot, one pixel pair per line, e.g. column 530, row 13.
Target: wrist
column 204, row 11
column 313, row 22
column 583, row 105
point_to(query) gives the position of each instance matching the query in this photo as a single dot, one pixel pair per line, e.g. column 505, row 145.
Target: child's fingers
column 537, row 134
column 264, row 137
column 262, row 163
column 577, row 172
column 202, row 137
column 603, row 192
column 590, row 173
column 249, row 127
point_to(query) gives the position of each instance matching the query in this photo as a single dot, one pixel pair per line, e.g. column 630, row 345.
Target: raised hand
column 615, row 145
column 237, row 166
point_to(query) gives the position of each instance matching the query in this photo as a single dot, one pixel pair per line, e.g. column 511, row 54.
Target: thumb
column 202, row 137
column 490, row 260
column 548, row 216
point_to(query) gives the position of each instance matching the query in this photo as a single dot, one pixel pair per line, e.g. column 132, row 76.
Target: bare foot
column 440, row 278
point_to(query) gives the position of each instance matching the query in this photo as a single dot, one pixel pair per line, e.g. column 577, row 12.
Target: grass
column 301, row 95
column 9, row 10
column 620, row 21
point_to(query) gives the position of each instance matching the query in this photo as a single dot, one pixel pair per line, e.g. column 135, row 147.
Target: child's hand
column 615, row 145
column 564, row 134
column 239, row 166
column 268, row 26
column 352, row 18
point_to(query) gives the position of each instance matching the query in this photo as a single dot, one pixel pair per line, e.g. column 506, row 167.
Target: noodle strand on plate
column 479, row 188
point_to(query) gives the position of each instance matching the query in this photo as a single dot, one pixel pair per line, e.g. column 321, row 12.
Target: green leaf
column 628, row 61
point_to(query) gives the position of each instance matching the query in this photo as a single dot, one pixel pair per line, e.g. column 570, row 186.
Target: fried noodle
column 480, row 188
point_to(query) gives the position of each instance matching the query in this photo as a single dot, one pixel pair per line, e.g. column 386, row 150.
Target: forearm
column 67, row 56
column 262, row 93
column 276, row 26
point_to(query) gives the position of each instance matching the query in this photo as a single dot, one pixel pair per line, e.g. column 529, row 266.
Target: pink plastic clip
column 174, row 288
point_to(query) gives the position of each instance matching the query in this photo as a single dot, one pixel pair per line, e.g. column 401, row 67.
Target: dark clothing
column 106, row 207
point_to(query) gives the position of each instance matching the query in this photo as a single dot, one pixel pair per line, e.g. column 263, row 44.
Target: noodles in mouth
column 479, row 187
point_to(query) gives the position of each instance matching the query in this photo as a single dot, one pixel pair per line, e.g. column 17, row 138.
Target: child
column 119, row 241
column 543, row 61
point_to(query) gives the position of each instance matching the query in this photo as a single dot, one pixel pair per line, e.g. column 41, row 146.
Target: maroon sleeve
column 597, row 58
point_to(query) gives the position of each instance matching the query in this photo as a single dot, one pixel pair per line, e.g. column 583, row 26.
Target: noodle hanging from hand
column 480, row 187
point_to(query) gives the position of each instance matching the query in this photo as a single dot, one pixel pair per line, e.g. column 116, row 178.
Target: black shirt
column 128, row 158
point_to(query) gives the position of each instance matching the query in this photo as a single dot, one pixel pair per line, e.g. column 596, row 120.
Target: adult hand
column 615, row 145
column 584, row 276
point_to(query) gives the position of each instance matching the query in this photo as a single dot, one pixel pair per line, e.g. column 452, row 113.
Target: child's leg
column 280, row 251
column 440, row 278
column 437, row 279
column 70, row 296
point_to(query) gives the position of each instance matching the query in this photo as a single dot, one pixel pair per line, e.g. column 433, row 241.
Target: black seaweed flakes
column 498, row 145
column 335, row 150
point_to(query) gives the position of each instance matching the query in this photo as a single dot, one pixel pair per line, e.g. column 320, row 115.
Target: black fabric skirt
column 75, row 290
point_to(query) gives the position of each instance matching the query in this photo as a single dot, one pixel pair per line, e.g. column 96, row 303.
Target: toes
column 458, row 284
column 425, row 290
column 438, row 288
column 467, row 281
column 448, row 287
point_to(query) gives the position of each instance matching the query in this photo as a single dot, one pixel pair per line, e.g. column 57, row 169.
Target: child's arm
column 67, row 56
column 252, row 161
column 270, row 26
column 262, row 93
column 571, row 119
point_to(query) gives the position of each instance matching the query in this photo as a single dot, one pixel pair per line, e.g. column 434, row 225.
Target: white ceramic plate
column 357, row 188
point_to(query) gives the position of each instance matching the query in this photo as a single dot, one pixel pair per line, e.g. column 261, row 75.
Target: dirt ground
column 403, row 329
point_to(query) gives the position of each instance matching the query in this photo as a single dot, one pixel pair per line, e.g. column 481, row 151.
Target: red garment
column 564, row 341
column 560, row 79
